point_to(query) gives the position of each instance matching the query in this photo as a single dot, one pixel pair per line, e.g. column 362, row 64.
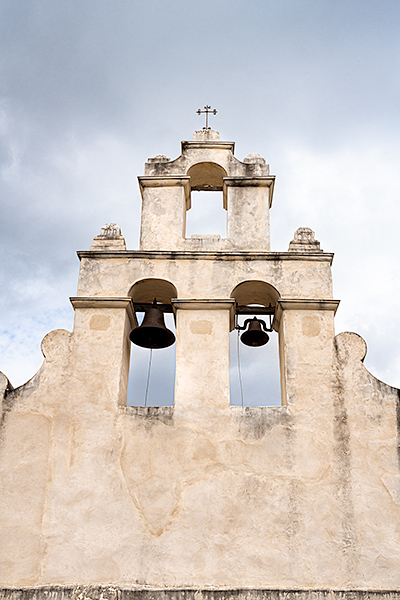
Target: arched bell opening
column 152, row 364
column 206, row 213
column 254, row 346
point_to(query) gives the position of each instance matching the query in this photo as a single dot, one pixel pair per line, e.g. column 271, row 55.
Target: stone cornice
column 137, row 592
column 267, row 181
column 249, row 181
column 208, row 145
column 207, row 255
column 100, row 302
column 163, row 180
column 316, row 304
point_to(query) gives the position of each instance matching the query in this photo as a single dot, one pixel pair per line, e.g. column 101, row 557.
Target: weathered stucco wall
column 165, row 503
column 303, row 495
column 206, row 274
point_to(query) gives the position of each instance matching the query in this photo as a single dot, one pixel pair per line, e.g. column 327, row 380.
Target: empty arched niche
column 158, row 389
column 207, row 214
column 254, row 371
column 145, row 290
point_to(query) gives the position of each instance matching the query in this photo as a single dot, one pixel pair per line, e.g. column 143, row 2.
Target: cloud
column 91, row 89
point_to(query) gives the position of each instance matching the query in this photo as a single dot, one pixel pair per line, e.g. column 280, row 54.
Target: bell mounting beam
column 240, row 309
column 141, row 307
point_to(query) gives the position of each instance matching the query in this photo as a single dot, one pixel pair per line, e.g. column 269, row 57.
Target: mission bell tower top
column 206, row 164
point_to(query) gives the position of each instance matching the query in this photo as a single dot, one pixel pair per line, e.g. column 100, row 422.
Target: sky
column 89, row 89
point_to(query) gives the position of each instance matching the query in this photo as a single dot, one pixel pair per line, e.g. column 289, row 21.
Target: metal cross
column 207, row 111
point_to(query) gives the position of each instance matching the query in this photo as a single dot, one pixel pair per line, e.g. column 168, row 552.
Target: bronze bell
column 254, row 336
column 152, row 333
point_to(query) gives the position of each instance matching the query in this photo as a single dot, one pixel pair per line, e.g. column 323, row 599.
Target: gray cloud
column 90, row 89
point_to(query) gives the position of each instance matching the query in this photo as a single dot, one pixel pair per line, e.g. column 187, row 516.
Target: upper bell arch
column 145, row 290
column 255, row 292
column 206, row 163
column 206, row 176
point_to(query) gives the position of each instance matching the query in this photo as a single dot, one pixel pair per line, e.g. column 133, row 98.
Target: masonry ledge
column 115, row 592
column 99, row 302
column 267, row 181
column 163, row 180
column 208, row 144
column 207, row 255
column 303, row 304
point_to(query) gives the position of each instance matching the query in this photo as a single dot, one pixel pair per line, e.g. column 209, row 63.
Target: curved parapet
column 5, row 385
column 5, row 388
column 351, row 350
column 48, row 381
column 55, row 345
column 350, row 347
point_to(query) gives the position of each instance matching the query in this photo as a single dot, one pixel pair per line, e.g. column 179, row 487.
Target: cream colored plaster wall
column 213, row 277
column 247, row 189
column 248, row 217
column 163, row 217
column 202, row 359
column 200, row 495
column 300, row 496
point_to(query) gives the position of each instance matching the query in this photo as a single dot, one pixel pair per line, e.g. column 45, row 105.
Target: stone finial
column 110, row 238
column 159, row 158
column 304, row 241
column 254, row 158
column 206, row 135
column 111, row 231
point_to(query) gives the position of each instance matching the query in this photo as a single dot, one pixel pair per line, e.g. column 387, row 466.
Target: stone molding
column 125, row 302
column 208, row 255
column 113, row 592
column 164, row 181
column 154, row 181
column 303, row 304
column 207, row 144
column 239, row 182
column 249, row 181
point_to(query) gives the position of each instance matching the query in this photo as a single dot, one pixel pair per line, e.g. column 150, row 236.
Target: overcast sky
column 91, row 88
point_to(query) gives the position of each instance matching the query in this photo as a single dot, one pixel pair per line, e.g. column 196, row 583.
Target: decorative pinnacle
column 208, row 110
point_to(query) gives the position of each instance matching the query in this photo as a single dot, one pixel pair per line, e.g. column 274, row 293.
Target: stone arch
column 258, row 371
column 145, row 290
column 255, row 292
column 206, row 176
column 162, row 380
column 207, row 199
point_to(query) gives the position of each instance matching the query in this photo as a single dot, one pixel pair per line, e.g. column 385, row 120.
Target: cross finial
column 207, row 110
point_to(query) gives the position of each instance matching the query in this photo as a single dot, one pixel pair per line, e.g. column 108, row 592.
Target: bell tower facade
column 104, row 500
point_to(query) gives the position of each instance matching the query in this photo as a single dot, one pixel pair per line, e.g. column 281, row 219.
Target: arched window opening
column 207, row 212
column 254, row 371
column 152, row 371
